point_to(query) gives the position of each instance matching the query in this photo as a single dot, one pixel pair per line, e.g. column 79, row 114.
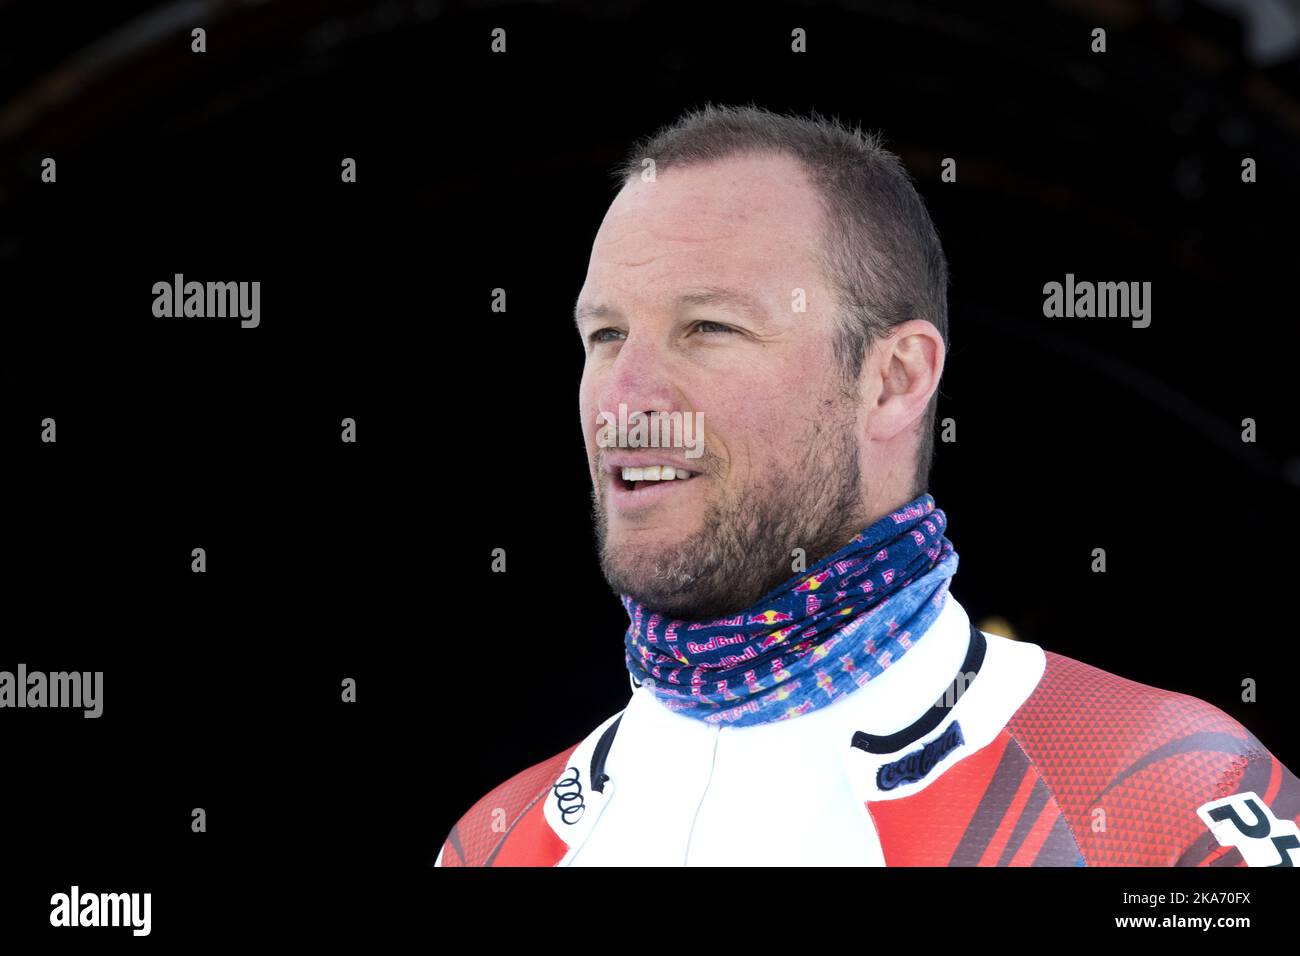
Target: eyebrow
column 719, row 296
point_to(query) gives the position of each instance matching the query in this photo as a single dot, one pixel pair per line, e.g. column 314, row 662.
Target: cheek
column 588, row 412
column 586, row 400
column 766, row 432
column 762, row 415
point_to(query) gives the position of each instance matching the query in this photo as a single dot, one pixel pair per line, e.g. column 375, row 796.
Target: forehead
column 752, row 220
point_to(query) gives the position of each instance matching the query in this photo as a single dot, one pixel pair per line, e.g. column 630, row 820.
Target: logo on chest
column 568, row 796
column 918, row 763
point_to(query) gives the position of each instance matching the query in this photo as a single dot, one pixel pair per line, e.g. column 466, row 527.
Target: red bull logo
column 735, row 660
column 713, row 643
column 814, row 582
column 733, row 713
column 781, row 693
column 776, row 637
column 770, row 617
column 729, row 622
column 725, row 691
column 911, row 511
column 799, row 709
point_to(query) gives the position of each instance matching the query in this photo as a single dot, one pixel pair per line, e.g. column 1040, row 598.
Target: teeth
column 655, row 473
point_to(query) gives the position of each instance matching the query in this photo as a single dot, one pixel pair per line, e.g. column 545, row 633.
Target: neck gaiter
column 822, row 634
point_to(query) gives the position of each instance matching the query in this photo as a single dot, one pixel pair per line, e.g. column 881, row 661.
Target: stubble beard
column 744, row 547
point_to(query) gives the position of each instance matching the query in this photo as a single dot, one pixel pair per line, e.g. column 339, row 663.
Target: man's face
column 780, row 463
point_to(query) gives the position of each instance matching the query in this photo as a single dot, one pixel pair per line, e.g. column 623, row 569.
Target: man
column 804, row 687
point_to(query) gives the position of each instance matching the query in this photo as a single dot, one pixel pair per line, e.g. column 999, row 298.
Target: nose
column 641, row 379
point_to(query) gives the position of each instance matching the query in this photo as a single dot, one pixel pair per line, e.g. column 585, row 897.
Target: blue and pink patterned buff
column 822, row 634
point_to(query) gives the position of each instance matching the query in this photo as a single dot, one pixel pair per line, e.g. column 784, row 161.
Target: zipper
column 713, row 761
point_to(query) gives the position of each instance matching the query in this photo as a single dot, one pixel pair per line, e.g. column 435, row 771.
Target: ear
column 901, row 373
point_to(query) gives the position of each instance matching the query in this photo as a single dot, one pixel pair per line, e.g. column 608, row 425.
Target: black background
column 479, row 171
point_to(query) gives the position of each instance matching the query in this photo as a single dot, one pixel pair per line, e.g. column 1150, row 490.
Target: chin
column 650, row 563
column 655, row 550
column 642, row 547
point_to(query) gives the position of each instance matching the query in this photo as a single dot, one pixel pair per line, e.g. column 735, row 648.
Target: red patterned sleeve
column 1252, row 816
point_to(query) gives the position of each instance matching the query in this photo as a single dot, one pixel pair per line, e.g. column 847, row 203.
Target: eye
column 597, row 337
column 713, row 327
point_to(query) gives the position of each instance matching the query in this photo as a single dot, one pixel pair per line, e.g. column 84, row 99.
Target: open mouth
column 636, row 479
